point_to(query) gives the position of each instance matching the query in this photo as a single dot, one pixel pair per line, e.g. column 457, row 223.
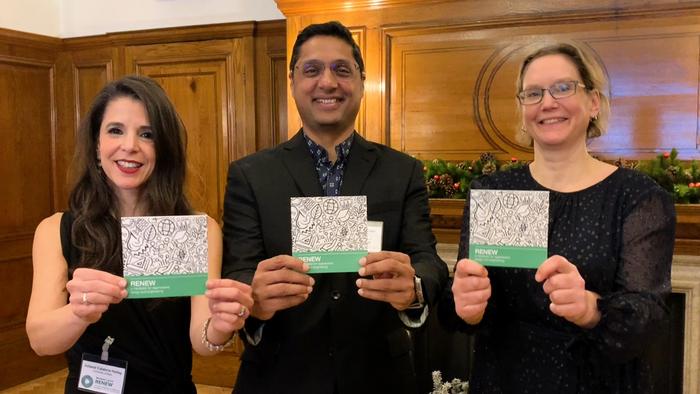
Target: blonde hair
column 592, row 76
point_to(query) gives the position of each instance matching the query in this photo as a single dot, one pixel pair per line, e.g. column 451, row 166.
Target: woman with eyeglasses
column 581, row 322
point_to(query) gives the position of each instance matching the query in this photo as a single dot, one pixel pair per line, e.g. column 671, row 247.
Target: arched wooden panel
column 453, row 87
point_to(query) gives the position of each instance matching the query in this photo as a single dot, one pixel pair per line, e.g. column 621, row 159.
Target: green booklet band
column 507, row 256
column 332, row 262
column 152, row 286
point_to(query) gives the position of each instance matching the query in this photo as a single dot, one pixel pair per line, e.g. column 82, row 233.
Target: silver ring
column 242, row 311
column 85, row 299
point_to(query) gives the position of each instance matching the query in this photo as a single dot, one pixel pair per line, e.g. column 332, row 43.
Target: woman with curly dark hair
column 129, row 161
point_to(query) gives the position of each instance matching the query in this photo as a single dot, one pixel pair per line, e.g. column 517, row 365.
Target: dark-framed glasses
column 558, row 91
column 341, row 69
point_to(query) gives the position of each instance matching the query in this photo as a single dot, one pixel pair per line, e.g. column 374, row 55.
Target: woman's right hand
column 92, row 291
column 471, row 290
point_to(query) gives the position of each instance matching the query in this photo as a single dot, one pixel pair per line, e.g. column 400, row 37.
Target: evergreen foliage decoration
column 680, row 179
column 446, row 179
column 449, row 180
column 455, row 386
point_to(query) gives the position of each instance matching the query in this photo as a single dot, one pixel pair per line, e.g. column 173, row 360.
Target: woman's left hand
column 230, row 303
column 567, row 292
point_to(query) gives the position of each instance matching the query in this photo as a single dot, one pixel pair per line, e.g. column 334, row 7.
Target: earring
column 594, row 117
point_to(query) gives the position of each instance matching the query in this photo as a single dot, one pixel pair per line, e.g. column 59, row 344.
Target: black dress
column 151, row 335
column 619, row 233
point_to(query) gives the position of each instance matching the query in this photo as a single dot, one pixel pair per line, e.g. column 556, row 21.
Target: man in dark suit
column 329, row 333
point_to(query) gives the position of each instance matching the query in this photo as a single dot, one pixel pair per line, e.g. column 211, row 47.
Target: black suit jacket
column 336, row 341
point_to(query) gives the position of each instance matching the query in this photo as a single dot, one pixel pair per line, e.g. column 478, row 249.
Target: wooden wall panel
column 206, row 82
column 469, row 106
column 197, row 96
column 441, row 74
column 271, row 85
column 655, row 93
column 88, row 80
column 80, row 76
column 26, row 125
column 27, row 168
column 431, row 103
column 208, row 71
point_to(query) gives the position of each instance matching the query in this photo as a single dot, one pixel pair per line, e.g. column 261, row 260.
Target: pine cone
column 448, row 190
column 489, row 168
column 432, row 185
column 486, row 157
column 446, row 179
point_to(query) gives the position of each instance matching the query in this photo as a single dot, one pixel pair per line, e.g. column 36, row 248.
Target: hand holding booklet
column 508, row 228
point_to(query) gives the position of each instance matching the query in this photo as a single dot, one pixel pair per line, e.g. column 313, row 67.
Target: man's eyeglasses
column 558, row 91
column 341, row 69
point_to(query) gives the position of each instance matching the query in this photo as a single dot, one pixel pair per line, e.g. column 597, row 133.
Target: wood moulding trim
column 38, row 41
column 22, row 61
column 165, row 35
column 302, row 7
column 458, row 23
column 271, row 28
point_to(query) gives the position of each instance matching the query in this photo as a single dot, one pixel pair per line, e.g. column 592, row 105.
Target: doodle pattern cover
column 165, row 256
column 508, row 228
column 329, row 233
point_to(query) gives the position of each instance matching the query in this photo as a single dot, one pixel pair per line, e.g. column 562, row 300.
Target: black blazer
column 336, row 341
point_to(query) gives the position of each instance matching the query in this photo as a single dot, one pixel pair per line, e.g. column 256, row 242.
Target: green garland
column 451, row 180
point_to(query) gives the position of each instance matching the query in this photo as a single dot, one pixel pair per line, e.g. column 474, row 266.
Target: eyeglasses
column 341, row 69
column 558, row 91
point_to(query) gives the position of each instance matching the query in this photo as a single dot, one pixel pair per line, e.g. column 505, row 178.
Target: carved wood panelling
column 88, row 79
column 27, row 167
column 26, row 128
column 271, row 87
column 441, row 76
column 208, row 73
column 452, row 89
column 195, row 78
column 18, row 290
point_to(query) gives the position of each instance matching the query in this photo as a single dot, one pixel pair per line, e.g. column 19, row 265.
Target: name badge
column 100, row 376
column 374, row 235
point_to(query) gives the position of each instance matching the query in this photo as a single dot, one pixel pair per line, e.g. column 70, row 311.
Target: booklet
column 330, row 233
column 508, row 228
column 165, row 256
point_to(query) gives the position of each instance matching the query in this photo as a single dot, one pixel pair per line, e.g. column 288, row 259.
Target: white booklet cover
column 508, row 228
column 165, row 256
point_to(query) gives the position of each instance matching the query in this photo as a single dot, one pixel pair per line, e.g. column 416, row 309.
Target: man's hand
column 392, row 279
column 279, row 283
column 567, row 292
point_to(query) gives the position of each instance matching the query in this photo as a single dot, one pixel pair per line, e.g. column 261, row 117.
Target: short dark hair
column 333, row 29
